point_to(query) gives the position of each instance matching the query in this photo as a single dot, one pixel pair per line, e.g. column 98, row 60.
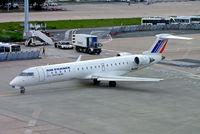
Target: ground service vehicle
column 86, row 43
column 157, row 21
column 34, row 42
column 64, row 44
column 6, row 47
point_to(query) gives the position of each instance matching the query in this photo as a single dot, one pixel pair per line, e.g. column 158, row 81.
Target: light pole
column 8, row 6
column 26, row 16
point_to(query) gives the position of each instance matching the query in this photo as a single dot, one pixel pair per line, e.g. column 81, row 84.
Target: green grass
column 9, row 36
column 11, row 28
column 11, row 10
column 71, row 1
column 66, row 24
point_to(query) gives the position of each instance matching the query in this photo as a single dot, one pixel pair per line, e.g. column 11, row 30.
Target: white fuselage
column 82, row 70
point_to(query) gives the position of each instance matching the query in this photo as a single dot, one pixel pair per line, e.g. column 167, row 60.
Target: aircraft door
column 41, row 74
column 103, row 67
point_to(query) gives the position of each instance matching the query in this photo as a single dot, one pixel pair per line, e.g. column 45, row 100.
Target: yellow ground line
column 4, row 95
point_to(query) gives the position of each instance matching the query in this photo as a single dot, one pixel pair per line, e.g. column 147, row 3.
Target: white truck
column 64, row 44
column 86, row 43
column 34, row 42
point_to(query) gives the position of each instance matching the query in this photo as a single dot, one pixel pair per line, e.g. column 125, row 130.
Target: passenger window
column 99, row 66
column 115, row 64
column 78, row 69
column 91, row 67
column 87, row 68
column 107, row 65
column 82, row 68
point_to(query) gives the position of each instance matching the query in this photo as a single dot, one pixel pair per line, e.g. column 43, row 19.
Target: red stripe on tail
column 163, row 47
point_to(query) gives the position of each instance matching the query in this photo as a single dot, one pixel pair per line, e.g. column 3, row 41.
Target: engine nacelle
column 142, row 60
column 124, row 54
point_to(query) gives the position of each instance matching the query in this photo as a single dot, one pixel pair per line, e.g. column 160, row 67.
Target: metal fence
column 136, row 28
column 19, row 55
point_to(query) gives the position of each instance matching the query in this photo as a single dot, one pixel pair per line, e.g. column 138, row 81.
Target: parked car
column 64, row 44
column 53, row 4
column 15, row 5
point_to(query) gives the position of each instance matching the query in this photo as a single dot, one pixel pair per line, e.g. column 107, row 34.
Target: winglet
column 79, row 58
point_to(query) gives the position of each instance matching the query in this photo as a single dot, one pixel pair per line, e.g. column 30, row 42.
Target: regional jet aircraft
column 106, row 69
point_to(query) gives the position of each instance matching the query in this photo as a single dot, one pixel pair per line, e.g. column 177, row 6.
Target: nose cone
column 13, row 82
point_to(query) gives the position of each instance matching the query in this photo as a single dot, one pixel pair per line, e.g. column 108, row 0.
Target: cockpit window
column 26, row 74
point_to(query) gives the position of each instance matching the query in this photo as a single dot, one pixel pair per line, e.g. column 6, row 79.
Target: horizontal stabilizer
column 169, row 36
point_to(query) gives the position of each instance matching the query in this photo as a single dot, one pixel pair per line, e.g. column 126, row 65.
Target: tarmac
column 100, row 10
column 78, row 107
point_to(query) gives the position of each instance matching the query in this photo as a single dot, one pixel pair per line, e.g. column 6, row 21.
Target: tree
column 3, row 2
column 37, row 4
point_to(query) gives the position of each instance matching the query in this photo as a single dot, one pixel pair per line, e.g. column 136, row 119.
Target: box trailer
column 86, row 43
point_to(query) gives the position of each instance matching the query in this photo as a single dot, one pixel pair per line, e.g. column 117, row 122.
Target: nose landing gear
column 22, row 90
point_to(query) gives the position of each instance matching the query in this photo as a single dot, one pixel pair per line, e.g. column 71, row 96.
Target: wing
column 122, row 78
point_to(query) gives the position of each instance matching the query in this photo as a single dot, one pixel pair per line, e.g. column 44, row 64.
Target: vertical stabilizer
column 161, row 42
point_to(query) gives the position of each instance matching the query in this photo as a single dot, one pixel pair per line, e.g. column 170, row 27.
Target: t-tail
column 161, row 42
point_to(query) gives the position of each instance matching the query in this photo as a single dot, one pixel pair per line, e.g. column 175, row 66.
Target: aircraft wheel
column 22, row 91
column 112, row 83
column 95, row 81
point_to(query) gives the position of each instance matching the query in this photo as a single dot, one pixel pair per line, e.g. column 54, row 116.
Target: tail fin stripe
column 154, row 49
column 160, row 45
column 163, row 47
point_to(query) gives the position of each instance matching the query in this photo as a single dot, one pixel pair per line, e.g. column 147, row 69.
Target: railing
column 136, row 28
column 19, row 55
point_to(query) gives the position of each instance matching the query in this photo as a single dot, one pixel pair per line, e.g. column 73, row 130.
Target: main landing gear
column 112, row 83
column 96, row 82
column 22, row 90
